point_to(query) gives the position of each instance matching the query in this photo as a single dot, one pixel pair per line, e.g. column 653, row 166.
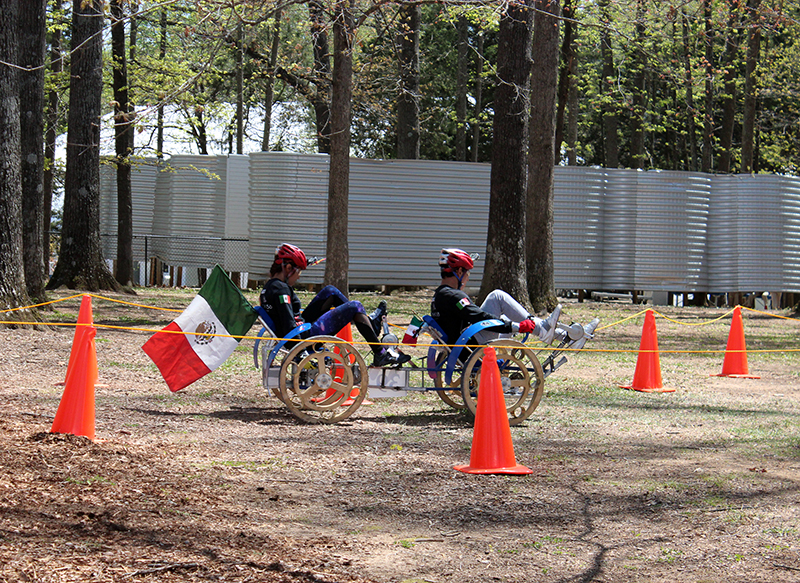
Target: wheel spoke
column 318, row 378
column 521, row 375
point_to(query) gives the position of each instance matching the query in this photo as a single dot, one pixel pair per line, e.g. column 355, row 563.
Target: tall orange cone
column 345, row 334
column 647, row 376
column 492, row 450
column 735, row 363
column 75, row 413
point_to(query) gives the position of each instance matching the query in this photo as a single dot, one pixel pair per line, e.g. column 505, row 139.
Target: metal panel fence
column 144, row 173
column 578, row 226
column 288, row 202
column 614, row 229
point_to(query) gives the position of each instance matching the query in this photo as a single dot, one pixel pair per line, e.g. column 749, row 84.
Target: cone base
column 648, row 390
column 351, row 401
column 736, row 376
column 96, row 385
column 515, row 470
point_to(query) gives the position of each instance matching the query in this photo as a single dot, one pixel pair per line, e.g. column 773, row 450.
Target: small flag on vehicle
column 410, row 337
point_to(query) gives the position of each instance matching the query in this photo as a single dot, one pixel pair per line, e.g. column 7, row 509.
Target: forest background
column 704, row 85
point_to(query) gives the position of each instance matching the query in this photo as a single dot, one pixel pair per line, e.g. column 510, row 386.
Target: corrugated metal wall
column 613, row 228
column 671, row 214
column 237, row 213
column 143, row 182
column 288, row 202
column 578, row 227
column 197, row 198
column 401, row 213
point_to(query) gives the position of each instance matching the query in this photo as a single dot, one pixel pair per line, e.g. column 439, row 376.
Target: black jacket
column 282, row 304
column 453, row 311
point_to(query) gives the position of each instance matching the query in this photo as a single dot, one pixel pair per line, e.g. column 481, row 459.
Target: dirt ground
column 220, row 483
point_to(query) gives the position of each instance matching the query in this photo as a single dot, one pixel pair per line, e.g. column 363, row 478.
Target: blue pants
column 325, row 320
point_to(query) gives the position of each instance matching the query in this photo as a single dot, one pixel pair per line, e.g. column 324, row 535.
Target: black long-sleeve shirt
column 453, row 311
column 282, row 304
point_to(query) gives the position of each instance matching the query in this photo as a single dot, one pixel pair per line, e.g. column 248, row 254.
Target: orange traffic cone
column 735, row 363
column 492, row 450
column 75, row 413
column 345, row 334
column 647, row 376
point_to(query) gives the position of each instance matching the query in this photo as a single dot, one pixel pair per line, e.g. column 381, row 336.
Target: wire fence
column 172, row 260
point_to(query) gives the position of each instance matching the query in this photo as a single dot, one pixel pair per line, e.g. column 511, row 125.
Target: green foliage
column 375, row 92
column 667, row 108
column 196, row 76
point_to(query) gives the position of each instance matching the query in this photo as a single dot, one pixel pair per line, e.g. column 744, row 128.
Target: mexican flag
column 410, row 337
column 198, row 340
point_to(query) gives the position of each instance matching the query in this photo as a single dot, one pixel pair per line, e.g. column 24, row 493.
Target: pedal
column 575, row 331
column 588, row 334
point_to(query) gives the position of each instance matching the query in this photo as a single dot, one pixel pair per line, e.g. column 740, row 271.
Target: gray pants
column 499, row 303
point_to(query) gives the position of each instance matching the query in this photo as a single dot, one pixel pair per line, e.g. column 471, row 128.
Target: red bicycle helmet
column 292, row 254
column 450, row 259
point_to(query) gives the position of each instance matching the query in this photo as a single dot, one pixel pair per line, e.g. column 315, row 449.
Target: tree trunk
column 240, row 90
column 80, row 262
column 162, row 54
column 53, row 115
column 749, row 114
column 322, row 73
column 689, row 87
column 729, row 98
column 12, row 276
column 123, row 146
column 476, row 127
column 408, row 100
column 198, row 127
column 572, row 125
column 708, row 115
column 565, row 74
column 505, row 244
column 462, row 74
column 539, row 231
column 639, row 91
column 337, row 250
column 608, row 82
column 269, row 90
column 32, row 46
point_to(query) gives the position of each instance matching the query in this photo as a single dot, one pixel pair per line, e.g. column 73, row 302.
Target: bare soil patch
column 220, row 483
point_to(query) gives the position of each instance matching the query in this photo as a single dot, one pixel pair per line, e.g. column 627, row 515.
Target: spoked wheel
column 454, row 397
column 323, row 380
column 521, row 376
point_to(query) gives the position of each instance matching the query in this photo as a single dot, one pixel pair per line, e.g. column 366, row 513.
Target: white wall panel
column 403, row 212
column 144, row 174
column 578, row 227
column 613, row 228
column 288, row 203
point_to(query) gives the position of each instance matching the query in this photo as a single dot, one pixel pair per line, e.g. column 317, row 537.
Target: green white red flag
column 410, row 337
column 199, row 340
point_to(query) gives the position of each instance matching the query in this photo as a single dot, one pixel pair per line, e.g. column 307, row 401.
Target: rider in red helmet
column 328, row 312
column 454, row 311
column 294, row 255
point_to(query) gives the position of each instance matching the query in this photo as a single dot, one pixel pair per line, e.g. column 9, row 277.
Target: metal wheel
column 520, row 373
column 453, row 398
column 322, row 381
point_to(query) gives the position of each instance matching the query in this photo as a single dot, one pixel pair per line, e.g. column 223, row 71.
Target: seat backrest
column 435, row 325
column 265, row 319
